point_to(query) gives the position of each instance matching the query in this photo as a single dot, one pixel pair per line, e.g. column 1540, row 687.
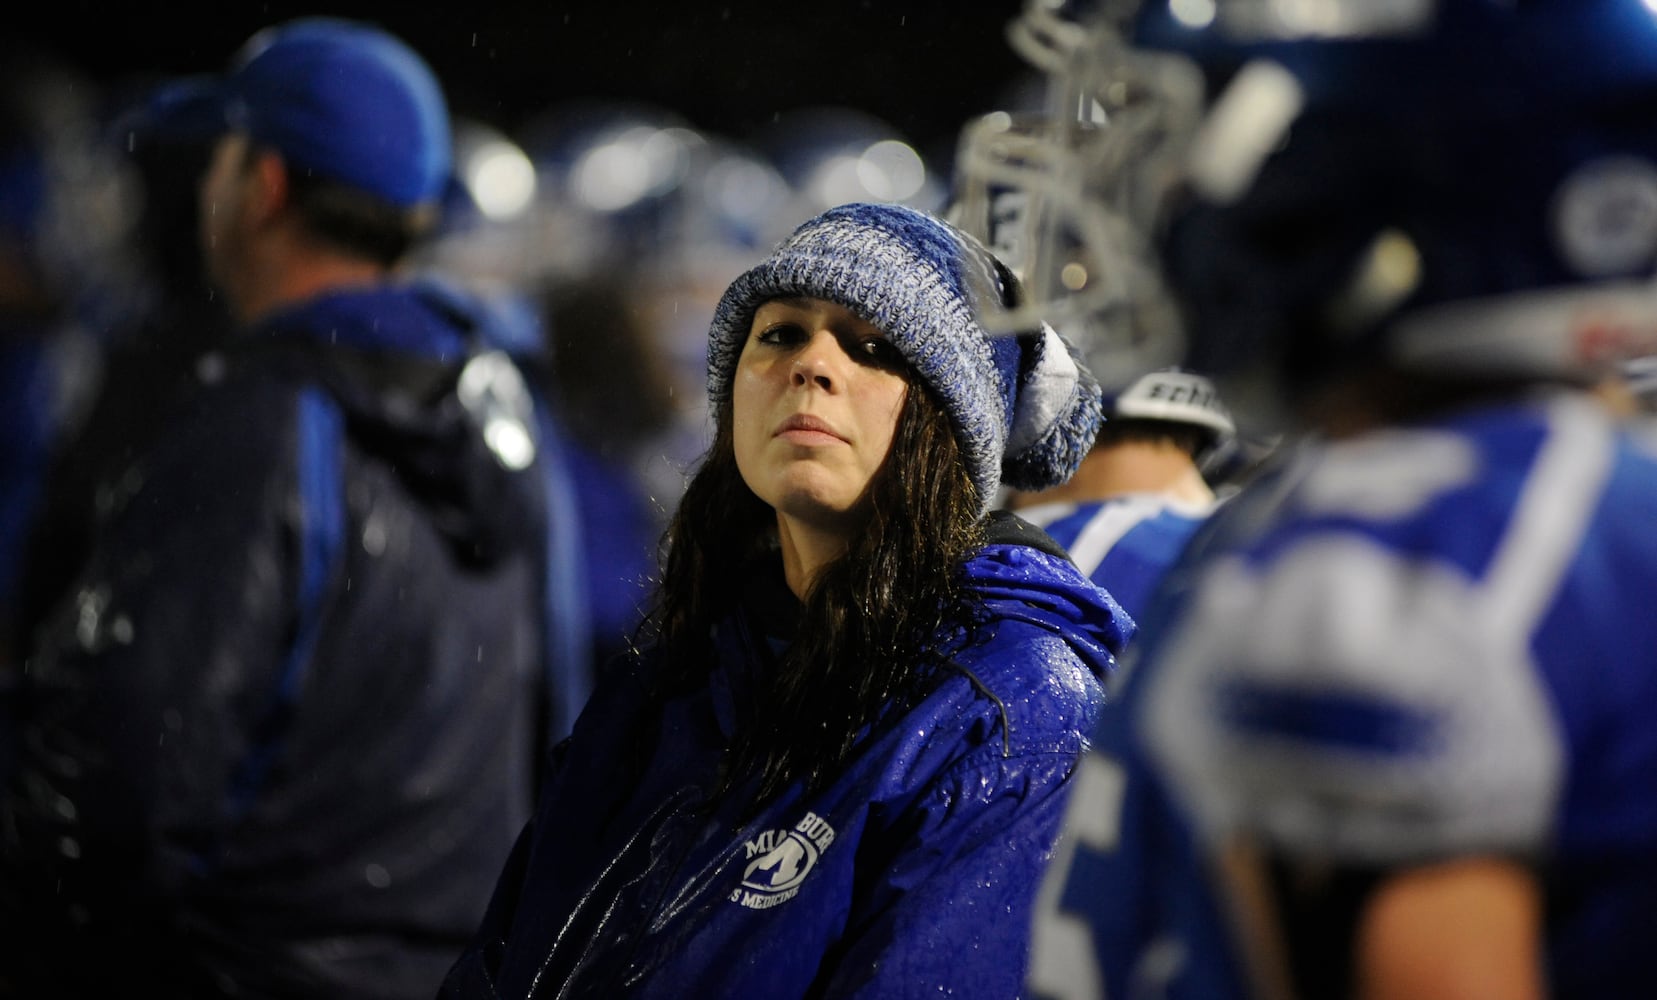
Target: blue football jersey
column 1390, row 650
column 1124, row 543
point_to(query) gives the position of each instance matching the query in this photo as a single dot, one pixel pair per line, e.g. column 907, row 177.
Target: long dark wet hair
column 878, row 623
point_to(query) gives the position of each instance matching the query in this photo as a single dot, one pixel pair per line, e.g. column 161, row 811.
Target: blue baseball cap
column 345, row 100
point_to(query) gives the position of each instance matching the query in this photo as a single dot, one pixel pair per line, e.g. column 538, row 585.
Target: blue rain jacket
column 912, row 873
column 283, row 734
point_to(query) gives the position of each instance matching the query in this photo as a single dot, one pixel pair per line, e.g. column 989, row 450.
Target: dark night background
column 729, row 67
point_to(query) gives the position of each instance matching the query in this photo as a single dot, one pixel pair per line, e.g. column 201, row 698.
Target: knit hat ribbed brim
column 1025, row 409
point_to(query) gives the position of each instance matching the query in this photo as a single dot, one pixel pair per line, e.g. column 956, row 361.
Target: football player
column 1141, row 491
column 1386, row 733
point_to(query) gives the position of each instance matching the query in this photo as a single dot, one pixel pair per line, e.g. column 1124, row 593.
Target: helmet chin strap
column 1579, row 332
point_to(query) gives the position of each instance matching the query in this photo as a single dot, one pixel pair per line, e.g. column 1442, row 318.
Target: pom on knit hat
column 1025, row 409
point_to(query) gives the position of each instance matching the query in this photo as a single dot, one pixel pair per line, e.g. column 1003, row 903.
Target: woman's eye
column 781, row 333
column 881, row 351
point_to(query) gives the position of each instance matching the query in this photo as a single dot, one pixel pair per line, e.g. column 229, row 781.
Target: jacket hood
column 1023, row 575
column 421, row 386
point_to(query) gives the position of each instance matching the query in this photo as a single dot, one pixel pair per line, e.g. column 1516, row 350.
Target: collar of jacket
column 397, row 318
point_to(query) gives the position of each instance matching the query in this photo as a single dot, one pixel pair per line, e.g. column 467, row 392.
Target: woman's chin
column 824, row 515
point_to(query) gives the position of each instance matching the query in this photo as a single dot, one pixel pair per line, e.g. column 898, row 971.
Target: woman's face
column 814, row 407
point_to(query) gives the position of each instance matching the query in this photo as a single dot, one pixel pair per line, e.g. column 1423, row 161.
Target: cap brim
column 187, row 109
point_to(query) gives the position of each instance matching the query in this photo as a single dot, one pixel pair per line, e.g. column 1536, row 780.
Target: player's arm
column 1467, row 928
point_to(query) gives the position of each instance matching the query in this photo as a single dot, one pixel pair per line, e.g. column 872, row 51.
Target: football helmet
column 1046, row 187
column 70, row 202
column 630, row 185
column 1460, row 186
column 834, row 155
column 1177, row 396
column 485, row 236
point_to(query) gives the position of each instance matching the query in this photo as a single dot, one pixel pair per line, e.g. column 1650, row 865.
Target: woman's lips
column 805, row 429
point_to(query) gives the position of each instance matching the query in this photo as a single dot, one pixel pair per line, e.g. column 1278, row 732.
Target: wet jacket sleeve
column 950, row 914
column 149, row 685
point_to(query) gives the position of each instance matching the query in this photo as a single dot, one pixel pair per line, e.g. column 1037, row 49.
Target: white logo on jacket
column 779, row 860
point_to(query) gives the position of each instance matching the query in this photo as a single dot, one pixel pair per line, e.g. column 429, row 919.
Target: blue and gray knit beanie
column 1025, row 409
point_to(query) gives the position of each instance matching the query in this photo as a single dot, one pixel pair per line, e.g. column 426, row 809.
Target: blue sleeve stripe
column 322, row 516
column 319, row 446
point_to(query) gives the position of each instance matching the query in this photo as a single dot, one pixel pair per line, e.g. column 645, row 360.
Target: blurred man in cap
column 280, row 736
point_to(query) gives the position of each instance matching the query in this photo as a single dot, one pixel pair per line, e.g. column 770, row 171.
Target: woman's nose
column 815, row 363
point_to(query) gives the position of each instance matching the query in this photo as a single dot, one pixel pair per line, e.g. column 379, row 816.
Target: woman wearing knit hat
column 838, row 766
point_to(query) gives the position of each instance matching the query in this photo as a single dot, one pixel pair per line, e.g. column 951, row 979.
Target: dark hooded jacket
column 280, row 738
column 910, row 873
